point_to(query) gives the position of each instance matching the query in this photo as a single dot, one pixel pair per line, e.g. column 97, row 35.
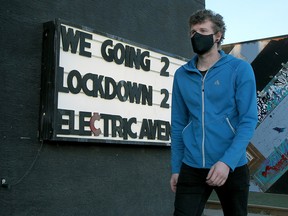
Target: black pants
column 193, row 192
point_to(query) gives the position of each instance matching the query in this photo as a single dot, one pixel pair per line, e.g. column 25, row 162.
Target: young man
column 214, row 115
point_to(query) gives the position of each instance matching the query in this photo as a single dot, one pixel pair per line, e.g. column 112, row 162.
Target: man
column 214, row 115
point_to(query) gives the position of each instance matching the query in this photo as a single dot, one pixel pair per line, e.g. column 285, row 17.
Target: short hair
column 202, row 15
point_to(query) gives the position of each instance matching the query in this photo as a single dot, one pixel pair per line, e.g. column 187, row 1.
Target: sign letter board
column 101, row 88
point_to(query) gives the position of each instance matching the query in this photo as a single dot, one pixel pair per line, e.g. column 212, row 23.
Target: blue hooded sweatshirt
column 213, row 116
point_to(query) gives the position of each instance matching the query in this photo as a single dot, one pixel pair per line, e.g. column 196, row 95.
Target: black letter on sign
column 134, row 92
column 145, row 65
column 135, row 58
column 122, row 96
column 60, row 75
column 108, row 81
column 110, row 55
column 84, row 123
column 84, row 44
column 127, row 128
column 71, row 75
column 97, row 86
column 164, row 71
column 163, row 130
column 106, row 119
column 147, row 95
column 65, row 122
column 144, row 129
column 119, row 59
column 85, row 88
column 117, row 128
column 164, row 103
column 69, row 39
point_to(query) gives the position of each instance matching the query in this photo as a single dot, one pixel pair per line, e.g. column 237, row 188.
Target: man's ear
column 218, row 36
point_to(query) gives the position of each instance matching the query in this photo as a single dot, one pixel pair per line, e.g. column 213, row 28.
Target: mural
column 268, row 150
column 273, row 93
column 273, row 167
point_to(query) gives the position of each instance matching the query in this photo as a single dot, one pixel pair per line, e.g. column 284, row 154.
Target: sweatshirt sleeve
column 179, row 119
column 246, row 101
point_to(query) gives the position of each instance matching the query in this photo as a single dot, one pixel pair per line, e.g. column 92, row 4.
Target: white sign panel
column 106, row 89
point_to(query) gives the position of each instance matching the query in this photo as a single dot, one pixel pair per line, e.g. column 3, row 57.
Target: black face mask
column 202, row 43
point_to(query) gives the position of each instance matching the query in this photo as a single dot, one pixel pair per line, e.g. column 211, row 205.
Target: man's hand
column 173, row 181
column 218, row 174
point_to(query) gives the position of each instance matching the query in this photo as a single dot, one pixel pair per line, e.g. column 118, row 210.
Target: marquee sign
column 100, row 88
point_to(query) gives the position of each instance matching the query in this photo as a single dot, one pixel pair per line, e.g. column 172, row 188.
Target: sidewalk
column 218, row 212
column 259, row 204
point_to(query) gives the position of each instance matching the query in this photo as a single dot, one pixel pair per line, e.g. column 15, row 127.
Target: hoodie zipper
column 203, row 115
column 203, row 122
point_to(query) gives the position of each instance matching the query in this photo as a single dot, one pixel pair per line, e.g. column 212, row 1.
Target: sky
column 251, row 19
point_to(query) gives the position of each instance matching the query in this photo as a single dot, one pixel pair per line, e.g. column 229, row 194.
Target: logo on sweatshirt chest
column 217, row 83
